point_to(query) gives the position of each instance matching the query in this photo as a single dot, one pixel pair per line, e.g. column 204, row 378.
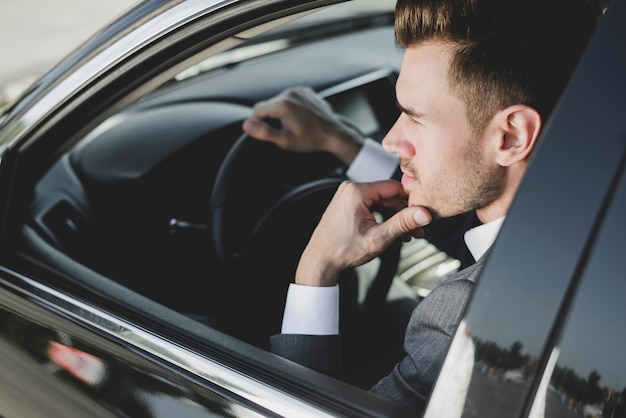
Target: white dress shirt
column 372, row 163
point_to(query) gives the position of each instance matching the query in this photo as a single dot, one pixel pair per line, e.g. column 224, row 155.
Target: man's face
column 446, row 168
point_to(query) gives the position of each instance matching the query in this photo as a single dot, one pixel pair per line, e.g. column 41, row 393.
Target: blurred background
column 36, row 34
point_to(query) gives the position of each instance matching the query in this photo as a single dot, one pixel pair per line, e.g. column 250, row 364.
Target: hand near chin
column 349, row 235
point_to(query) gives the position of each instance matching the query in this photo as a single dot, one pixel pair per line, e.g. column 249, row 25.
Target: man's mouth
column 407, row 180
column 408, row 177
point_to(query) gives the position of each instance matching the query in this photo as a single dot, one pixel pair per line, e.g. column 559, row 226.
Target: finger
column 390, row 206
column 407, row 221
column 263, row 131
column 385, row 192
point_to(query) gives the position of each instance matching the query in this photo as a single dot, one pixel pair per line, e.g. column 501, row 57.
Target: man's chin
column 433, row 212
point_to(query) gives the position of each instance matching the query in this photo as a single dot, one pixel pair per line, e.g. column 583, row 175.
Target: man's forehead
column 423, row 77
column 431, row 57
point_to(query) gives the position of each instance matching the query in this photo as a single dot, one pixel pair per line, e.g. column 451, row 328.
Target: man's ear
column 519, row 128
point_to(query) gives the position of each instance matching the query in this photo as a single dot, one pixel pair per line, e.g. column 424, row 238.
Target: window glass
column 590, row 374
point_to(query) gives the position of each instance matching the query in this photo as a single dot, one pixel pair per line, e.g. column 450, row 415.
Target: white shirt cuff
column 311, row 310
column 372, row 163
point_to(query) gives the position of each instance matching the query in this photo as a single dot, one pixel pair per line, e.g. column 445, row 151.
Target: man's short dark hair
column 507, row 51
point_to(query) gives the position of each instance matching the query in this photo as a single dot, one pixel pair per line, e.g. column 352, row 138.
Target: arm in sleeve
column 427, row 339
column 311, row 310
column 372, row 163
column 309, row 334
column 321, row 353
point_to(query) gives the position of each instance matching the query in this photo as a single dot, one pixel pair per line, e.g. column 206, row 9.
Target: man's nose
column 397, row 142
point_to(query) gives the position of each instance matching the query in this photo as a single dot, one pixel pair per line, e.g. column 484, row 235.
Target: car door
column 101, row 344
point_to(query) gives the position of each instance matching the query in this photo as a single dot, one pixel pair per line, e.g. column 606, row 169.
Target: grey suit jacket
column 427, row 339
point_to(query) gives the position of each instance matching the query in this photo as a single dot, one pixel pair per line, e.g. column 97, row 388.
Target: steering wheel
column 257, row 182
column 264, row 206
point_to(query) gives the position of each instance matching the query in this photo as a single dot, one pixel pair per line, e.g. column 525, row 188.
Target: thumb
column 261, row 130
column 252, row 127
column 405, row 221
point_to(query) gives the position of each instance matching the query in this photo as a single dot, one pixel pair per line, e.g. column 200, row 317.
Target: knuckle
column 345, row 185
column 404, row 224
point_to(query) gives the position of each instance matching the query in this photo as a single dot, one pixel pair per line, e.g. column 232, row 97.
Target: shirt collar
column 480, row 238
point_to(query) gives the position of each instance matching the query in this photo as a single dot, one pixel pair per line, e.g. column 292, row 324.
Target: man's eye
column 414, row 121
column 412, row 118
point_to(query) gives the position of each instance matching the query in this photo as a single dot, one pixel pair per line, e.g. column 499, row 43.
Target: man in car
column 478, row 80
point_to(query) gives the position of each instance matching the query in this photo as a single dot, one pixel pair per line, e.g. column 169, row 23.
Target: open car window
column 156, row 199
column 162, row 214
column 132, row 200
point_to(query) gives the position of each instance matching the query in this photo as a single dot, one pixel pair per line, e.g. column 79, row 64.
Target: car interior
column 168, row 199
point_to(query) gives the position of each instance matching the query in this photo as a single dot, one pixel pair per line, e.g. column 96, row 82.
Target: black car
column 147, row 245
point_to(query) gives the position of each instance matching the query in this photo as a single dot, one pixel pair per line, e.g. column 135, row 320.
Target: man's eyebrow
column 409, row 112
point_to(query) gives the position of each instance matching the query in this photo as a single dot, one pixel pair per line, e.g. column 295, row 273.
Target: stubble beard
column 477, row 186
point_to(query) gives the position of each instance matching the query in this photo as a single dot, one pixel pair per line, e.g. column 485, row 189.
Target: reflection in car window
column 590, row 375
column 585, row 374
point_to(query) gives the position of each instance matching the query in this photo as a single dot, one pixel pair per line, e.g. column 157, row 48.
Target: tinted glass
column 590, row 374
